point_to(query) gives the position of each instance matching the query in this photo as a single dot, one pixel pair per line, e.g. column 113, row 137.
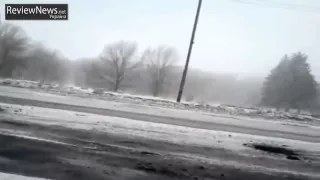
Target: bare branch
column 158, row 62
column 117, row 59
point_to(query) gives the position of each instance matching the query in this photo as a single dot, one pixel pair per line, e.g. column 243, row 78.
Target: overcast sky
column 231, row 37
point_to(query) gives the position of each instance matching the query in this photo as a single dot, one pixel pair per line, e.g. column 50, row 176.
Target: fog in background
column 237, row 44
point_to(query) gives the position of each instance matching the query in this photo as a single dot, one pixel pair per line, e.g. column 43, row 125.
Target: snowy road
column 287, row 130
column 79, row 145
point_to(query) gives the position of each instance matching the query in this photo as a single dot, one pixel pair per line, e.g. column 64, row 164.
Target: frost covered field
column 79, row 138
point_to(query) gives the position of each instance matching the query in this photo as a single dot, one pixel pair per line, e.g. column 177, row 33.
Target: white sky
column 231, row 37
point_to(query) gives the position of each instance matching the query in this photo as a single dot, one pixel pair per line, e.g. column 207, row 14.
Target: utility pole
column 185, row 70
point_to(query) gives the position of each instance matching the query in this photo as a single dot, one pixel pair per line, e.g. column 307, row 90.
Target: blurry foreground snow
column 158, row 131
column 181, row 135
column 5, row 176
column 154, row 101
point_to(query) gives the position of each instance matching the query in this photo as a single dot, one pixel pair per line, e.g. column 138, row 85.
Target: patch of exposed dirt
column 282, row 150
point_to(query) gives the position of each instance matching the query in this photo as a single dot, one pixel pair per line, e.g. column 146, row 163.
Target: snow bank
column 45, row 86
column 220, row 108
column 19, row 83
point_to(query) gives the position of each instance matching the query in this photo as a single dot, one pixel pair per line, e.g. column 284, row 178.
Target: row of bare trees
column 120, row 60
column 119, row 67
column 22, row 57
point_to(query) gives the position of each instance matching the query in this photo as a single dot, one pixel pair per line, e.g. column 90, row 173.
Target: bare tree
column 159, row 62
column 13, row 42
column 116, row 61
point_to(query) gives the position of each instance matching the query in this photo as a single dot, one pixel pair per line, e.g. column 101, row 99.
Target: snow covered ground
column 160, row 102
column 223, row 119
column 176, row 134
column 6, row 176
column 180, row 135
column 156, row 131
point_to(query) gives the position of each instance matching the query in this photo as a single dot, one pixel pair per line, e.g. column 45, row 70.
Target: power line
column 281, row 5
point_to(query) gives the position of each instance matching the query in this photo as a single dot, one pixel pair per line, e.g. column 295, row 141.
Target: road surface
column 62, row 141
column 27, row 97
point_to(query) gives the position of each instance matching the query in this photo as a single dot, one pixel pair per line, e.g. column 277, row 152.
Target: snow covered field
column 160, row 102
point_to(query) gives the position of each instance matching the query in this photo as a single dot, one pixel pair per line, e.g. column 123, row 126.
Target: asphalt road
column 27, row 97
